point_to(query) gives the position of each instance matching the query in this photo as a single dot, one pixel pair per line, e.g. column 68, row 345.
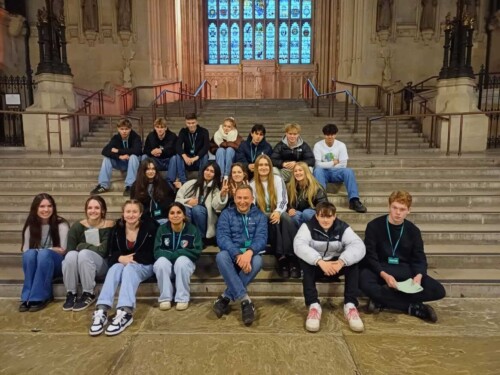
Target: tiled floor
column 466, row 340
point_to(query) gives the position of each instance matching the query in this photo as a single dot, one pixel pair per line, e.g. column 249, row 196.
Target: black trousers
column 311, row 274
column 281, row 236
column 376, row 288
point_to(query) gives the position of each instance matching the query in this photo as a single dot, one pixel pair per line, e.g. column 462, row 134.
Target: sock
column 103, row 307
column 245, row 298
column 127, row 309
column 348, row 306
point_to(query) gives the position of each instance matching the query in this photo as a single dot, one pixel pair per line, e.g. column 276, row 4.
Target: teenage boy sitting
column 291, row 150
column 192, row 151
column 123, row 152
column 328, row 247
column 160, row 144
column 254, row 146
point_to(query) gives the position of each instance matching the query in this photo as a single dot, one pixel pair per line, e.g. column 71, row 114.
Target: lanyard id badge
column 248, row 240
column 393, row 259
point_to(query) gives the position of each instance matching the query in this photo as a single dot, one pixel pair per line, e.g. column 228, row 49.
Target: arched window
column 259, row 30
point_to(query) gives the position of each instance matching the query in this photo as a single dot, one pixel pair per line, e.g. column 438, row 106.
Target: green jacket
column 169, row 245
column 76, row 239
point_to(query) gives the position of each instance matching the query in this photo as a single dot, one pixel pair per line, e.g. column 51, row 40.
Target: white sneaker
column 121, row 320
column 165, row 305
column 99, row 320
column 352, row 316
column 181, row 306
column 313, row 319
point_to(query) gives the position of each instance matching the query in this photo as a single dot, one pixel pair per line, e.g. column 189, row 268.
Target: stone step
column 364, row 184
column 471, row 234
column 11, row 214
column 207, row 282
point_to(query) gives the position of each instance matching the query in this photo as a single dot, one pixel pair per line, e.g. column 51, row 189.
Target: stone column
column 456, row 95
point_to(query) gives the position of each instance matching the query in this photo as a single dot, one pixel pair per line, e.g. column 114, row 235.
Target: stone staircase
column 456, row 199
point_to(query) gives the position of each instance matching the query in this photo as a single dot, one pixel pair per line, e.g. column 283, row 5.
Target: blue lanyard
column 394, row 248
column 244, row 219
column 253, row 154
column 192, row 140
column 179, row 239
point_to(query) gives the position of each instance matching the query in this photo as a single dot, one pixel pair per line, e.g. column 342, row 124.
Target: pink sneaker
column 313, row 320
column 352, row 316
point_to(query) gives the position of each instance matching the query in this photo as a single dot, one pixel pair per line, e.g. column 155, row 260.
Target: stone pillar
column 54, row 93
column 456, row 95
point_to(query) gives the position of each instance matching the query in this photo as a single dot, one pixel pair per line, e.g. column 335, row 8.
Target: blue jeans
column 198, row 215
column 161, row 164
column 235, row 279
column 130, row 276
column 40, row 266
column 224, row 158
column 302, row 217
column 181, row 271
column 177, row 168
column 109, row 164
column 345, row 175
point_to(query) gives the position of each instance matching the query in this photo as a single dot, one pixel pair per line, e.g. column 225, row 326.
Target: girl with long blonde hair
column 304, row 193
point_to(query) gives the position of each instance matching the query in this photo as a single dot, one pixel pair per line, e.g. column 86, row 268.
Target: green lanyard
column 179, row 239
column 394, row 248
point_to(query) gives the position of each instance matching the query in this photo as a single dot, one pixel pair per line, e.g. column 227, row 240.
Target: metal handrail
column 331, row 95
column 435, row 117
column 133, row 94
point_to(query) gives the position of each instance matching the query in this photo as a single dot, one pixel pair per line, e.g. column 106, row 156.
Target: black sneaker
column 70, row 301
column 99, row 320
column 126, row 192
column 356, row 205
column 424, row 312
column 247, row 312
column 24, row 306
column 120, row 322
column 372, row 307
column 85, row 300
column 99, row 189
column 38, row 305
column 295, row 272
column 283, row 268
column 221, row 306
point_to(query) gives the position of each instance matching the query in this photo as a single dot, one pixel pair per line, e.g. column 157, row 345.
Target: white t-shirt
column 324, row 155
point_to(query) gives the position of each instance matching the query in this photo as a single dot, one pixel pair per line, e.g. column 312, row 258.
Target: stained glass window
column 259, row 29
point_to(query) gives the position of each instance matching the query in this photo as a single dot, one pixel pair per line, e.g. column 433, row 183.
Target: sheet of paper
column 92, row 236
column 408, row 286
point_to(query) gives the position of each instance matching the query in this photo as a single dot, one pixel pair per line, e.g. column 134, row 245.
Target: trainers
column 295, row 272
column 121, row 320
column 24, row 306
column 39, row 305
column 165, row 305
column 357, row 206
column 372, row 307
column 424, row 312
column 126, row 192
column 85, row 300
column 99, row 189
column 283, row 268
column 221, row 306
column 247, row 312
column 70, row 301
column 352, row 316
column 99, row 320
column 181, row 306
column 313, row 319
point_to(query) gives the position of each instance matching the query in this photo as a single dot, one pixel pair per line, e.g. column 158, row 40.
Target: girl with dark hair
column 152, row 191
column 271, row 198
column 130, row 245
column 178, row 246
column 238, row 175
column 304, row 193
column 87, row 253
column 202, row 198
column 45, row 235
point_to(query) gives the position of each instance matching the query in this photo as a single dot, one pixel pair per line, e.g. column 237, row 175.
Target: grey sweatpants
column 84, row 265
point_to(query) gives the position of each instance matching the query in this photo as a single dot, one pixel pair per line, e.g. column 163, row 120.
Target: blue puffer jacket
column 231, row 234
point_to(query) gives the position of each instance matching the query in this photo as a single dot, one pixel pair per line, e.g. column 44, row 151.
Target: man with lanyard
column 241, row 237
column 395, row 253
column 254, row 146
column 192, row 151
